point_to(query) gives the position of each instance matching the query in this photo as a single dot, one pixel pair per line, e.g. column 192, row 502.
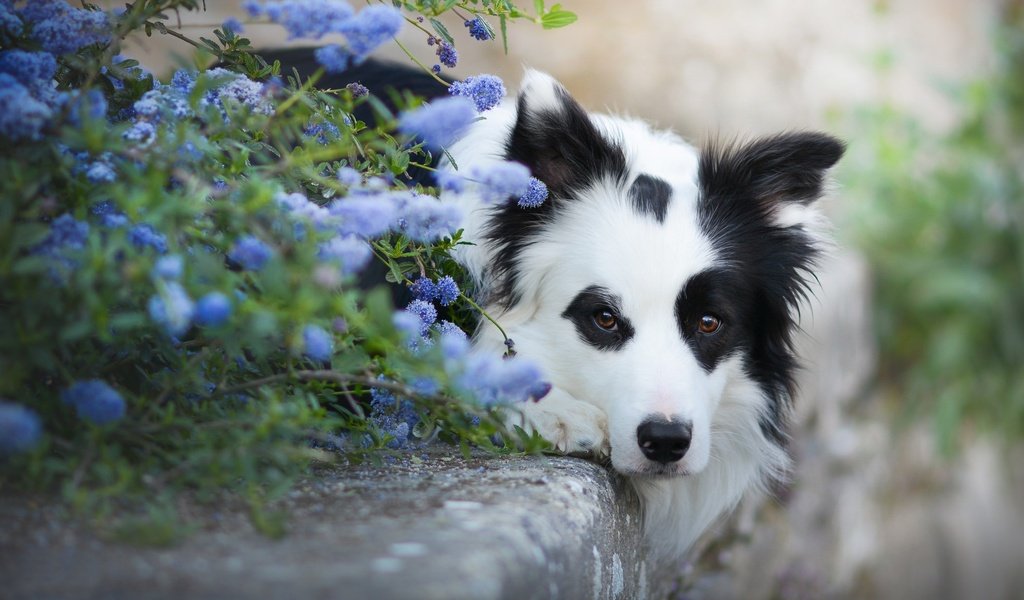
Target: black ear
column 789, row 167
column 556, row 139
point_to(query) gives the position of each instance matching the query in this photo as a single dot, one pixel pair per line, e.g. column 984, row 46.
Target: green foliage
column 942, row 220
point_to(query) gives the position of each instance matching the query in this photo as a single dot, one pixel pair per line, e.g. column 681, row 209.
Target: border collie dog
column 657, row 287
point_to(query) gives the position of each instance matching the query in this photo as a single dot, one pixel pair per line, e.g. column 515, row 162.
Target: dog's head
column 658, row 282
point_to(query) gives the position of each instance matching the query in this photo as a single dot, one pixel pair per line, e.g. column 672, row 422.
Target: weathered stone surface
column 445, row 528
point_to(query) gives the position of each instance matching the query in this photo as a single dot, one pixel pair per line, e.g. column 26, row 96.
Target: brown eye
column 709, row 324
column 606, row 319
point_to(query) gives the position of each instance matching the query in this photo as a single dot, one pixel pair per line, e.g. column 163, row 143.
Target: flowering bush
column 180, row 258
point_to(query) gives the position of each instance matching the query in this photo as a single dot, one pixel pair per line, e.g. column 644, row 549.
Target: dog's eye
column 606, row 319
column 709, row 324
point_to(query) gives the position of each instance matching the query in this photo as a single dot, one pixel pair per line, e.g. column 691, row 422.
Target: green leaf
column 557, row 18
column 442, row 31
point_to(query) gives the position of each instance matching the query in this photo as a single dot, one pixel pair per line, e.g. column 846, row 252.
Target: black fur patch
column 719, row 293
column 769, row 266
column 581, row 312
column 650, row 196
column 563, row 149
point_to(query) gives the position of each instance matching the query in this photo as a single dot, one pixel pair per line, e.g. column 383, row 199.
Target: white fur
column 599, row 398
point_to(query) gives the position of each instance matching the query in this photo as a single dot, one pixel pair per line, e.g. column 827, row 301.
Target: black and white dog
column 657, row 287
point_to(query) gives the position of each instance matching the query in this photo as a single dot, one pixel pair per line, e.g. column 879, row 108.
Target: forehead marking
column 650, row 196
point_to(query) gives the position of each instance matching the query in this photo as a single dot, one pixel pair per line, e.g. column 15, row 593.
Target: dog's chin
column 654, row 471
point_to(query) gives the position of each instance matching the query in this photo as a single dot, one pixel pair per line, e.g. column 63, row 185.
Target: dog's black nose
column 664, row 441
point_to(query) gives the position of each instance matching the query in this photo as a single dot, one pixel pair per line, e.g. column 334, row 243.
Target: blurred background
column 908, row 481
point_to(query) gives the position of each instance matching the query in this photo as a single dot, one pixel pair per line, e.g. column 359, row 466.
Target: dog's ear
column 783, row 174
column 555, row 138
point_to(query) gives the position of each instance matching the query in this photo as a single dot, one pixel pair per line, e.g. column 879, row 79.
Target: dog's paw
column 574, row 427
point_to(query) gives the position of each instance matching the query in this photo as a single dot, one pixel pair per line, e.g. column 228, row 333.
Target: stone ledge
column 445, row 528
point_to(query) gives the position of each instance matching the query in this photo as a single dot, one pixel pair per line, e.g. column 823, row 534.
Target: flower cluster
column 364, row 31
column 441, row 122
column 489, row 379
column 28, row 101
column 486, row 91
column 393, row 416
column 20, row 428
column 497, row 182
column 317, row 344
column 95, row 401
column 59, row 28
column 479, row 30
column 445, row 291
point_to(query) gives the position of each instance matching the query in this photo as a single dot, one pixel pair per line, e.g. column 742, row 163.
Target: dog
column 657, row 287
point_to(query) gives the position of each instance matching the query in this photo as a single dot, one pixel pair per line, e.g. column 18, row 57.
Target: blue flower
column 447, row 328
column 213, row 309
column 392, row 415
column 535, row 195
column 10, row 24
column 350, row 251
column 169, row 267
column 425, row 312
column 454, row 343
column 62, row 29
column 367, row 216
column 495, row 381
column 407, row 324
column 34, row 70
column 81, row 106
column 230, row 87
column 108, row 214
column 324, row 132
column 317, row 343
column 299, row 206
column 250, row 253
column 333, row 58
column 143, row 235
column 447, row 290
column 183, row 81
column 424, row 289
column 95, row 401
column 447, row 54
column 101, row 171
column 233, row 25
column 349, row 176
column 425, row 386
column 357, row 89
column 479, row 30
column 20, row 427
column 66, row 235
column 441, row 122
column 486, row 91
column 373, row 26
column 501, row 180
column 303, row 18
column 172, row 309
column 142, row 133
column 425, row 219
column 149, row 104
column 449, row 181
column 22, row 116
